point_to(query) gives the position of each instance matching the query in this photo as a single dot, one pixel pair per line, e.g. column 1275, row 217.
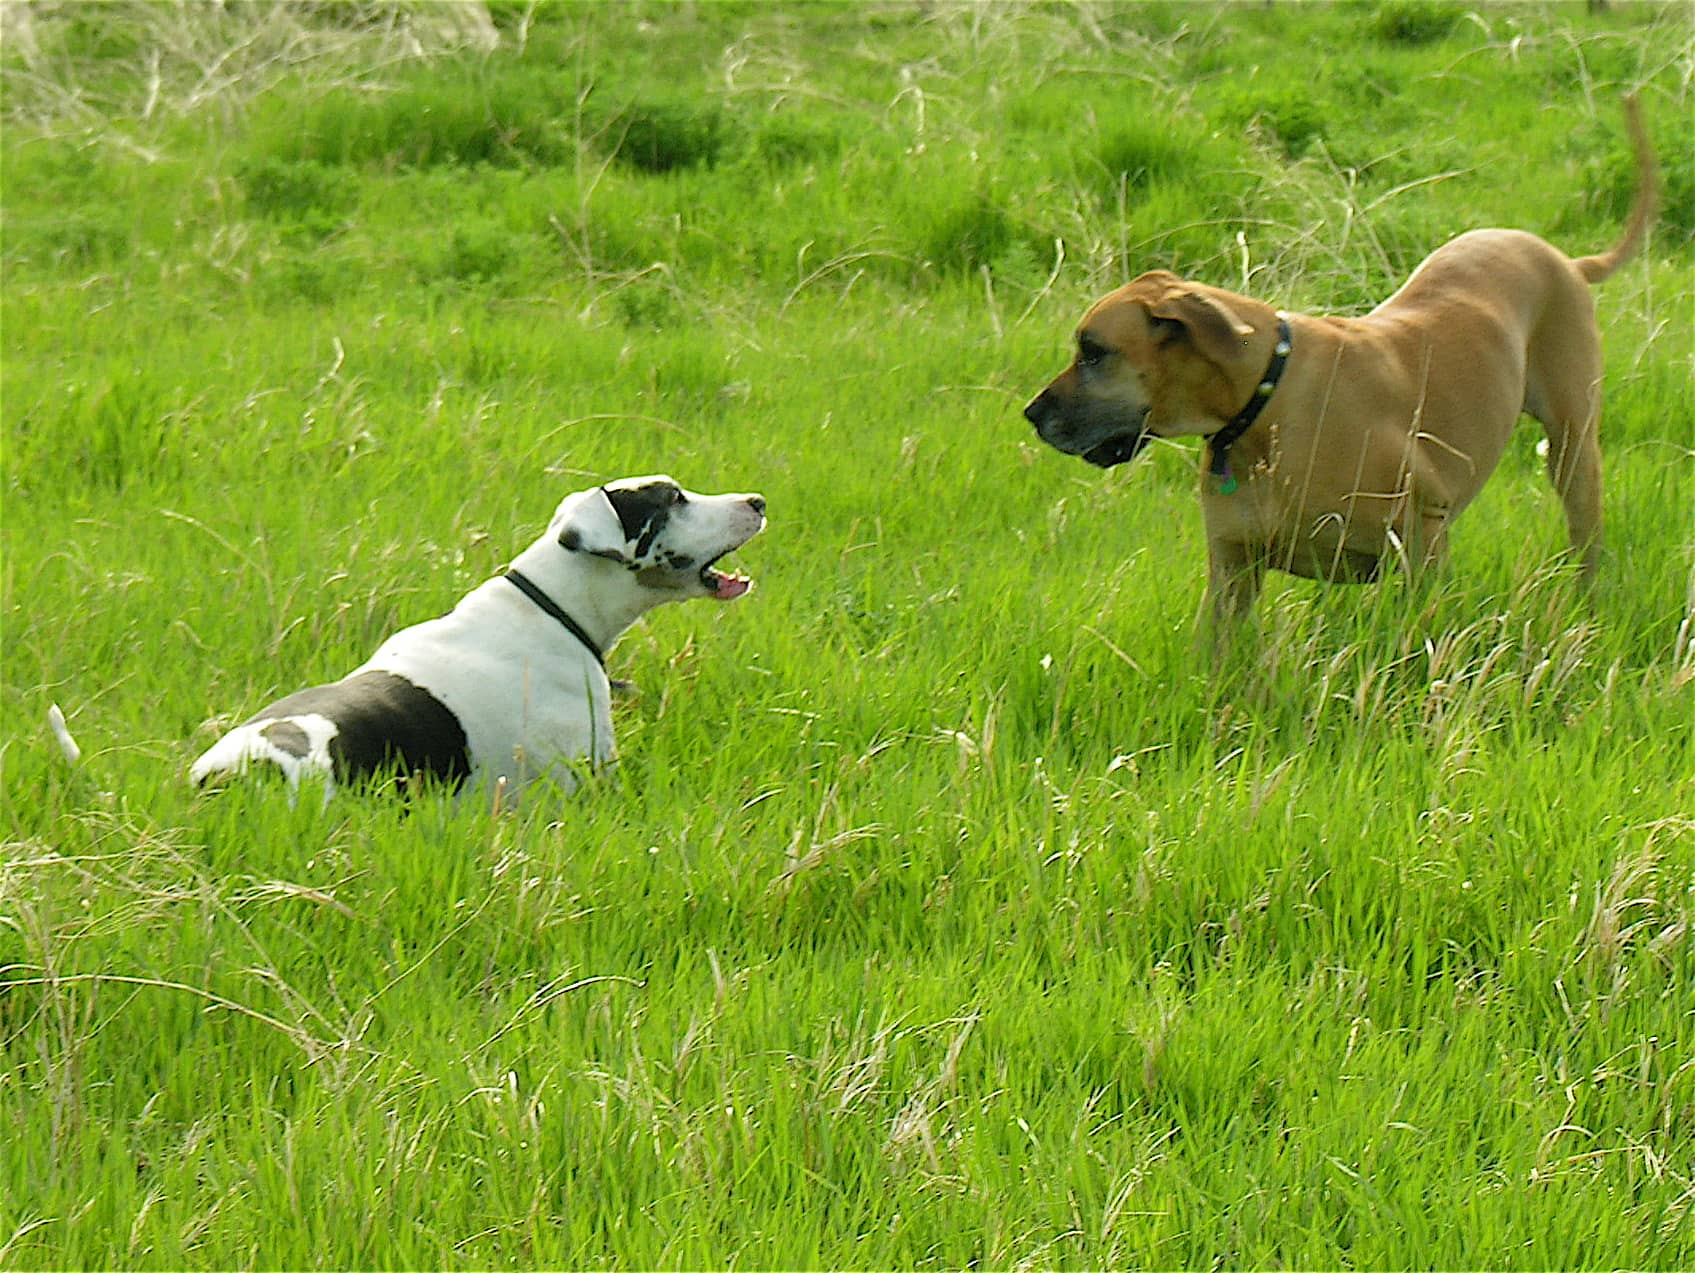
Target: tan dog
column 1334, row 444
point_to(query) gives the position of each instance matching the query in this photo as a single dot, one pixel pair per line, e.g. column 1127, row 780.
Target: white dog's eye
column 677, row 497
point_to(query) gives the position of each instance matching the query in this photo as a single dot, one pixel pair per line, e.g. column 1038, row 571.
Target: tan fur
column 1384, row 427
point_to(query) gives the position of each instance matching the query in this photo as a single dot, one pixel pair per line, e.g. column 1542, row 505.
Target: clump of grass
column 1415, row 22
column 79, row 238
column 481, row 249
column 659, row 135
column 967, row 234
column 789, row 138
column 1134, row 155
column 314, row 198
column 110, row 434
column 451, row 116
column 129, row 59
column 1290, row 114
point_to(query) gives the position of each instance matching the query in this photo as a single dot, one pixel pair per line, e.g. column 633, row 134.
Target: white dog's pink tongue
column 729, row 586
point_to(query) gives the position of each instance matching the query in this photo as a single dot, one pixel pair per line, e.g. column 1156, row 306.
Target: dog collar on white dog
column 547, row 605
column 1243, row 420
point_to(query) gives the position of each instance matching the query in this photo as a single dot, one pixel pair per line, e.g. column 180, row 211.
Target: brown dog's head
column 1153, row 360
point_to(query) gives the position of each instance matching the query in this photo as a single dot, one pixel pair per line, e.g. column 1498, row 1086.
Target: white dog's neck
column 601, row 596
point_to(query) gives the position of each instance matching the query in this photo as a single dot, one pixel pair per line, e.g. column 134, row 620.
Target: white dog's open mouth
column 723, row 585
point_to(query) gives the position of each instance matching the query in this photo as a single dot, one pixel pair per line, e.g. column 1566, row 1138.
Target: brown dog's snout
column 1039, row 410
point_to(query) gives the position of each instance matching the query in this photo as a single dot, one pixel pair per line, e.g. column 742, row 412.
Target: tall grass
column 944, row 908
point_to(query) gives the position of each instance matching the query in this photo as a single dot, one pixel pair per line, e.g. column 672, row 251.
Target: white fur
column 62, row 734
column 532, row 700
column 246, row 745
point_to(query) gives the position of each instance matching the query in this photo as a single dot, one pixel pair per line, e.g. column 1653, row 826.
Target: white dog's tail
column 1642, row 208
column 62, row 735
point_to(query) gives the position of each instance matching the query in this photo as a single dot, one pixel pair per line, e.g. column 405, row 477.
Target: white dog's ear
column 587, row 523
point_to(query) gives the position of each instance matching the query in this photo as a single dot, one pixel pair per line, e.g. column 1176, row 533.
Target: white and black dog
column 511, row 683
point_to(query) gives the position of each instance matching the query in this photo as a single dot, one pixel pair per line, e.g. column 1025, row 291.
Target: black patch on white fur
column 642, row 511
column 286, row 736
column 384, row 724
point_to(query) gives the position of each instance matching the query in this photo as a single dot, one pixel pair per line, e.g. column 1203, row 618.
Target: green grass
column 943, row 910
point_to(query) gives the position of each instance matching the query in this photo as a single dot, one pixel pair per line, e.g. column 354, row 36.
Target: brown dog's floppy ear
column 1212, row 326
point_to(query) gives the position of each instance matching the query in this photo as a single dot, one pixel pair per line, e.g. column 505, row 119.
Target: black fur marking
column 286, row 736
column 384, row 724
column 642, row 510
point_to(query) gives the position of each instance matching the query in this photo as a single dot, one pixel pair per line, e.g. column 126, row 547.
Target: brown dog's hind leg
column 1574, row 467
column 1570, row 413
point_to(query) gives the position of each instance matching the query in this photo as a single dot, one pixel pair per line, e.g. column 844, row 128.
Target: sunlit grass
column 945, row 907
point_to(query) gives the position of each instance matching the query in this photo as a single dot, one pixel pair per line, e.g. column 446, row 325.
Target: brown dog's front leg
column 1234, row 576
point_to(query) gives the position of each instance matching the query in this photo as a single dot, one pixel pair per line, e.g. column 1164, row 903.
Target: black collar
column 1243, row 420
column 527, row 586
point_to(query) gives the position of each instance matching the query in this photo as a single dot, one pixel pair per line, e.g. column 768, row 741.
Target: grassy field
column 943, row 910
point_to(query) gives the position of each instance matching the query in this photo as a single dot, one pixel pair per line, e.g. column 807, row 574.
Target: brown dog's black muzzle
column 1119, row 450
column 1051, row 418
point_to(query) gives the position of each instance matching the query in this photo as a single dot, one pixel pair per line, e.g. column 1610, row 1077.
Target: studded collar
column 1242, row 421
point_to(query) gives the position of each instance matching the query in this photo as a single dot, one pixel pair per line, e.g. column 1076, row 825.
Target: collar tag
column 1221, row 441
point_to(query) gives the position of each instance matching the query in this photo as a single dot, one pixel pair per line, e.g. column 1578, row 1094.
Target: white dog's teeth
column 724, row 586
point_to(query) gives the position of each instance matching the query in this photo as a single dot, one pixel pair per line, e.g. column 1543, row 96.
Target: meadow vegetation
column 943, row 910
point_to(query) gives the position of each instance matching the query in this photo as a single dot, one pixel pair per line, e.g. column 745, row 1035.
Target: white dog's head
column 669, row 538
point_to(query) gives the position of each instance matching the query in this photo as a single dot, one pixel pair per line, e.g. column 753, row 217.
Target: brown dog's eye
column 1089, row 353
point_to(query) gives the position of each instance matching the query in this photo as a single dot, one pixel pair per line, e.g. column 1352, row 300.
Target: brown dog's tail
column 1642, row 208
